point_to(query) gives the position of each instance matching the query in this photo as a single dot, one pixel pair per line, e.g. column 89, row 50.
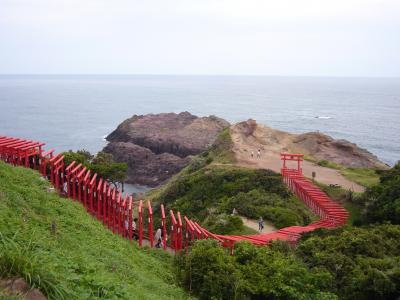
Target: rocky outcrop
column 19, row 288
column 157, row 146
column 315, row 144
column 324, row 147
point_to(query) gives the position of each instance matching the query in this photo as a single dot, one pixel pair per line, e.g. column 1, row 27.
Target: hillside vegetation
column 381, row 202
column 58, row 247
column 210, row 188
column 345, row 263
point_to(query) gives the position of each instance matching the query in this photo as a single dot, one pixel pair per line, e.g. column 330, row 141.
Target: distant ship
column 323, row 117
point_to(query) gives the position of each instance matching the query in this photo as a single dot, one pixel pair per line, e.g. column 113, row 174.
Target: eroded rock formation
column 157, row 146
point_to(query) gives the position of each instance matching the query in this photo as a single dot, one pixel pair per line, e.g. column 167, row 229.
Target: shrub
column 253, row 193
column 208, row 272
column 252, row 273
column 364, row 262
column 382, row 202
column 223, row 223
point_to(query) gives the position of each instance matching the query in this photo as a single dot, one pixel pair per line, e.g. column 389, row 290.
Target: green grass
column 345, row 198
column 363, row 176
column 82, row 260
column 246, row 231
column 221, row 150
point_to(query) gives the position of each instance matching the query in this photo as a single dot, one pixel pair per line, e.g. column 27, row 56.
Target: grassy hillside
column 81, row 260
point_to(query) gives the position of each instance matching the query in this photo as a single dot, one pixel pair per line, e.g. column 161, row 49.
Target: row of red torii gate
column 116, row 210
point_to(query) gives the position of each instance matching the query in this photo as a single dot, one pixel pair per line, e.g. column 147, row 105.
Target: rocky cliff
column 156, row 146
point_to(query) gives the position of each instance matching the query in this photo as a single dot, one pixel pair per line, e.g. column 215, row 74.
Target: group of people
column 258, row 153
column 158, row 237
column 135, row 234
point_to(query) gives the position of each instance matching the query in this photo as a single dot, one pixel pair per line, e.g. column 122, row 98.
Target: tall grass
column 18, row 260
column 80, row 260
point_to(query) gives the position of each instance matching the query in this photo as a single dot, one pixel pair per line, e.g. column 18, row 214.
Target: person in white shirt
column 158, row 238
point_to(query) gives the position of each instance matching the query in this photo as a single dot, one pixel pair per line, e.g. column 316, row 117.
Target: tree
column 102, row 163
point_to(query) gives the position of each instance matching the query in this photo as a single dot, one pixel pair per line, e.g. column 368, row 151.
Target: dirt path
column 253, row 224
column 270, row 159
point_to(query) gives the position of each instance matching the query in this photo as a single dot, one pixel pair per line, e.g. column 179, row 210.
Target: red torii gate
column 150, row 224
column 99, row 198
column 79, row 179
column 140, row 222
column 164, row 227
column 56, row 167
column 6, row 147
column 92, row 186
column 85, row 187
column 29, row 150
column 46, row 156
column 292, row 157
column 16, row 151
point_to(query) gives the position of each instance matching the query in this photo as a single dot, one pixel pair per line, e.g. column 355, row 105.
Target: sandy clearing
column 270, row 159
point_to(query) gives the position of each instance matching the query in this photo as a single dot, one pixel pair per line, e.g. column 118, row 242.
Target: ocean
column 78, row 111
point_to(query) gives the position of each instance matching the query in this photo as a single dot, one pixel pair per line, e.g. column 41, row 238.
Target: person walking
column 158, row 238
column 135, row 235
column 259, row 153
column 260, row 224
column 134, row 231
column 252, row 154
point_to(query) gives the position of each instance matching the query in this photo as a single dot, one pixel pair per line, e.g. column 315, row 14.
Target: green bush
column 209, row 272
column 364, row 262
column 215, row 190
column 381, row 202
column 345, row 263
column 282, row 212
column 223, row 223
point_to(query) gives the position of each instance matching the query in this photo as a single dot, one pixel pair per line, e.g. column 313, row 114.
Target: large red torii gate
column 292, row 157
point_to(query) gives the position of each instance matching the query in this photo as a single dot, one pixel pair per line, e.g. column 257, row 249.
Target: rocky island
column 157, row 146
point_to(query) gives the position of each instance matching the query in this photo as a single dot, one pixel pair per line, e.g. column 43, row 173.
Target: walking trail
column 253, row 224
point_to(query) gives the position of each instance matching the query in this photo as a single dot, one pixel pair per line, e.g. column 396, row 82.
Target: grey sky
column 329, row 38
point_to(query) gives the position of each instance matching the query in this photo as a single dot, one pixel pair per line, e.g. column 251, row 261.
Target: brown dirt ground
column 253, row 224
